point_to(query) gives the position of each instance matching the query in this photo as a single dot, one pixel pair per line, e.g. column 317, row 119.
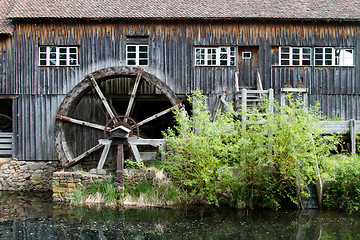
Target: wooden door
column 248, row 66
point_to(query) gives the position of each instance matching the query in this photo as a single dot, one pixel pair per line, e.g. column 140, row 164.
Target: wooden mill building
column 79, row 50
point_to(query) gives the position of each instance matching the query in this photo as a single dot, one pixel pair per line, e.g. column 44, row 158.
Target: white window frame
column 137, row 56
column 215, row 56
column 58, row 56
column 334, row 56
column 295, row 56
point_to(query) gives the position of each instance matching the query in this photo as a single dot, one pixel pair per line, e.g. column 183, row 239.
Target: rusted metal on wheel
column 125, row 117
column 67, row 107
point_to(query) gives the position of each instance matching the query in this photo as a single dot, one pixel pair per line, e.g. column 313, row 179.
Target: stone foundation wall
column 65, row 183
column 27, row 175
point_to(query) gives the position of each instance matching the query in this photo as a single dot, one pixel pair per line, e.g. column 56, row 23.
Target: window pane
column 42, row 49
column 43, row 55
column 223, row 56
column 285, row 62
column 62, row 50
column 62, row 56
column 73, row 62
column 285, row 50
column 131, row 55
column 306, row 50
column 318, row 62
column 62, row 63
column 328, row 50
column 143, row 55
column 131, row 62
column 306, row 62
column 296, row 62
column 42, row 62
column 53, row 62
column 143, row 62
column 73, row 50
column 223, row 62
column 52, row 49
column 131, row 48
column 53, row 56
column 143, row 48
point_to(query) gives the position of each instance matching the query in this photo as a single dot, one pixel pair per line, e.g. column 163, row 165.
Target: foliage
column 156, row 190
column 343, row 183
column 133, row 164
column 220, row 162
column 98, row 192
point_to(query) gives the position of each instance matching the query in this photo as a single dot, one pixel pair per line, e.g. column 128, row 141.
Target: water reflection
column 34, row 217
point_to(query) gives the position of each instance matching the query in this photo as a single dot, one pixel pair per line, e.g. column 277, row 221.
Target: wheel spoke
column 155, row 116
column 135, row 152
column 81, row 122
column 84, row 154
column 107, row 105
column 133, row 94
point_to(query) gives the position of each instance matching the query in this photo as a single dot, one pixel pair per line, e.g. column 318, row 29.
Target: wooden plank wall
column 171, row 45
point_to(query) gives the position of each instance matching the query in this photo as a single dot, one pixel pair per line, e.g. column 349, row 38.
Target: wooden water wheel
column 120, row 128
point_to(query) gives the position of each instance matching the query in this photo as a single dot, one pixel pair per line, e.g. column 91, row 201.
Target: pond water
column 33, row 216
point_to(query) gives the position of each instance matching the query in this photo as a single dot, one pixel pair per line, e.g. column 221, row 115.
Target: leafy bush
column 342, row 189
column 262, row 165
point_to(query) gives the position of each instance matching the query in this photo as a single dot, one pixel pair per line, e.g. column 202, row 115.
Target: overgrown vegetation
column 154, row 190
column 99, row 192
column 342, row 191
column 260, row 166
column 220, row 162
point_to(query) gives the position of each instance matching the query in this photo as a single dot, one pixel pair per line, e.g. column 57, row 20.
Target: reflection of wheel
column 79, row 136
column 5, row 123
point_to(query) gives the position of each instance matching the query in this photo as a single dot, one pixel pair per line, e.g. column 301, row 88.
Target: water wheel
column 116, row 128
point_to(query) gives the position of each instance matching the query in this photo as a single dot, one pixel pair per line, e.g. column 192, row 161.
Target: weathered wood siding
column 171, row 54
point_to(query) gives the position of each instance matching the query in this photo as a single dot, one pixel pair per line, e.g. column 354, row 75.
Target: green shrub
column 342, row 189
column 201, row 152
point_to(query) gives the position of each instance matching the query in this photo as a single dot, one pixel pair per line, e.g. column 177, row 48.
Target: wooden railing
column 6, row 143
column 351, row 127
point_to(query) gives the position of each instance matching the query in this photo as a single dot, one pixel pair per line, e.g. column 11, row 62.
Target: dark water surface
column 33, row 216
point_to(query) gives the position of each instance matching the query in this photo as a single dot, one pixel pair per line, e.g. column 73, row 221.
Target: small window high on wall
column 137, row 50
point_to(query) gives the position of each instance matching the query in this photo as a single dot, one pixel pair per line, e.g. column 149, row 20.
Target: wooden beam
column 81, row 122
column 133, row 94
column 84, row 154
column 158, row 115
column 102, row 97
column 143, row 141
column 135, row 152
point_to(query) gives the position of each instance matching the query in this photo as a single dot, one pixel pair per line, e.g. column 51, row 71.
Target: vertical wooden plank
column 352, row 123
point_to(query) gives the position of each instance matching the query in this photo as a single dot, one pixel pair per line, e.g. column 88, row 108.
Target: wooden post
column 243, row 108
column 353, row 136
column 271, row 110
column 119, row 177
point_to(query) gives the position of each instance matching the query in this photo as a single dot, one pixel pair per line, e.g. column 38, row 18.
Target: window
column 58, row 56
column 295, row 56
column 215, row 56
column 246, row 55
column 137, row 55
column 330, row 56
